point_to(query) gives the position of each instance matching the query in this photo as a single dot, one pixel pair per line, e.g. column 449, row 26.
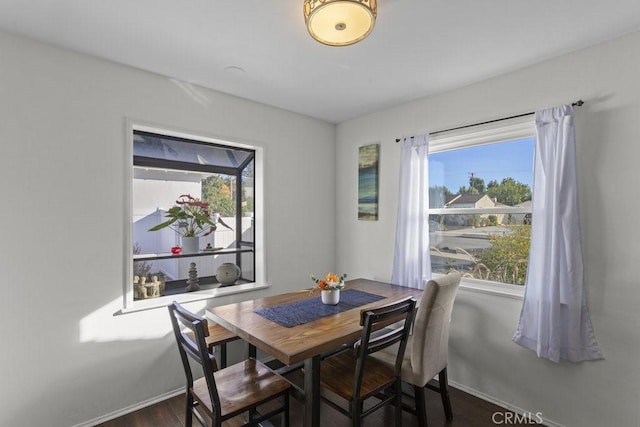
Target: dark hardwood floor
column 468, row 411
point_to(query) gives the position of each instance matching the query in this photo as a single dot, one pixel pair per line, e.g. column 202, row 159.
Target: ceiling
column 260, row 50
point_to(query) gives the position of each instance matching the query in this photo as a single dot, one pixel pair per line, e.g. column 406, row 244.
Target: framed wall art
column 368, row 158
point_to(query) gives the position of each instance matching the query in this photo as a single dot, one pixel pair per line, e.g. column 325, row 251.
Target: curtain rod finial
column 400, row 139
column 578, row 103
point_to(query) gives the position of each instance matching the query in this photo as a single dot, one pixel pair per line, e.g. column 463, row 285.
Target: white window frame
column 473, row 136
column 131, row 305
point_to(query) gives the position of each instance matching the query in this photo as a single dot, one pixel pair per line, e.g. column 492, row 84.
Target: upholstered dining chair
column 428, row 347
column 225, row 393
column 355, row 376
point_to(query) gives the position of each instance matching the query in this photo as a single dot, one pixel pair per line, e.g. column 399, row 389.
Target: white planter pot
column 190, row 245
column 331, row 297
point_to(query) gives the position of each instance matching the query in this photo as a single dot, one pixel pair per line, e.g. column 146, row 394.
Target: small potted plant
column 330, row 286
column 191, row 218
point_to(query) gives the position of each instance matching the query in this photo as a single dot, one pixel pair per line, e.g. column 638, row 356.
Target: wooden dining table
column 304, row 343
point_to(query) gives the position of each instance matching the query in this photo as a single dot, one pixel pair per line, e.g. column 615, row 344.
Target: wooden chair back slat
column 376, row 318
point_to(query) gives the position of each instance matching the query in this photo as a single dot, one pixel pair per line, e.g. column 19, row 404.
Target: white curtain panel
column 411, row 258
column 555, row 321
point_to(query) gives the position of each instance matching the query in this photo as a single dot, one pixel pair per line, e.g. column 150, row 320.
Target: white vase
column 190, row 245
column 330, row 297
column 228, row 273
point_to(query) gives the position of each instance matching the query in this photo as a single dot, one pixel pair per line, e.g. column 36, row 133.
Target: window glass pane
column 492, row 241
column 163, row 147
column 498, row 253
column 477, row 170
column 248, row 200
column 220, row 179
column 152, row 198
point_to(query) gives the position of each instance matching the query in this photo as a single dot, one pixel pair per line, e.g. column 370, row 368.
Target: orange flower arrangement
column 330, row 282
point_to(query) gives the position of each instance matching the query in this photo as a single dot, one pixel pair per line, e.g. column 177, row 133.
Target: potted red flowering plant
column 191, row 218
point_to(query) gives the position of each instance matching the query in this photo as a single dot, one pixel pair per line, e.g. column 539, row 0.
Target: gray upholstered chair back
column 430, row 345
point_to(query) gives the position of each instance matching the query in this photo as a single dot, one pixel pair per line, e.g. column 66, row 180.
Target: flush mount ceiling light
column 340, row 22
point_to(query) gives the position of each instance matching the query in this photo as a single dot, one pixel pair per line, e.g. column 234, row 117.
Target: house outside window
column 173, row 172
column 480, row 189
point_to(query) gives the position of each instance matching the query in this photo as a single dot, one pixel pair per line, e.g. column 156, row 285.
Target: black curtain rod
column 578, row 103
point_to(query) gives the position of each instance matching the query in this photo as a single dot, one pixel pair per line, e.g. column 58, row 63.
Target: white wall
column 65, row 358
column 483, row 358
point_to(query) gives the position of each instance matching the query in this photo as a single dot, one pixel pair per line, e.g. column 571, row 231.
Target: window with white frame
column 190, row 186
column 480, row 189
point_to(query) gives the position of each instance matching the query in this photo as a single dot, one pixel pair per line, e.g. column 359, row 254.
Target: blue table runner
column 308, row 310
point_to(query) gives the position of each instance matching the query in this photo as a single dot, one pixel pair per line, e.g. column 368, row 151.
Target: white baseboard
column 124, row 411
column 132, row 408
column 547, row 422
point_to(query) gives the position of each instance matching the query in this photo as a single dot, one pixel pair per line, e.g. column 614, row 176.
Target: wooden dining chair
column 428, row 347
column 219, row 336
column 356, row 377
column 226, row 393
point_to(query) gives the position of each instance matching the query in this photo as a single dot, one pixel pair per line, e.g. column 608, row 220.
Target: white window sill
column 161, row 302
column 491, row 288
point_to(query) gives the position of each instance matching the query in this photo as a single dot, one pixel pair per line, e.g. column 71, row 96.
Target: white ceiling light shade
column 340, row 22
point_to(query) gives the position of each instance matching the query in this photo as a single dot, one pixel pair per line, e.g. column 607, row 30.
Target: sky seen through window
column 497, row 161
